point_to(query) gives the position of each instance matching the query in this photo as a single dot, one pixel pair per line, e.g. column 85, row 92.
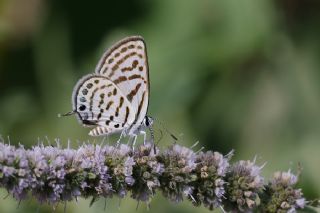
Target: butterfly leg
column 144, row 137
column 132, row 141
column 119, row 140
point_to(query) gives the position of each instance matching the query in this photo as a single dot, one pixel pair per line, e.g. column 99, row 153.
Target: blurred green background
column 240, row 75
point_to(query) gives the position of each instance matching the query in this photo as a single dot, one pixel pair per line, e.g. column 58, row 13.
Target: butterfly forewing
column 100, row 102
column 126, row 65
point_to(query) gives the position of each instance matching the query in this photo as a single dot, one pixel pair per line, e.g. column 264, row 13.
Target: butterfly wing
column 99, row 103
column 126, row 64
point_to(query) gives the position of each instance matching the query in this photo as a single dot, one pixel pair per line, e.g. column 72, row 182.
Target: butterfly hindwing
column 99, row 102
column 126, row 65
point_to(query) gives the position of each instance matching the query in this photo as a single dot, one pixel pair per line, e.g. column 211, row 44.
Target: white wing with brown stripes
column 126, row 65
column 100, row 103
column 116, row 97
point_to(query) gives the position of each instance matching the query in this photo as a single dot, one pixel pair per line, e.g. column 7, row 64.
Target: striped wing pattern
column 116, row 96
column 101, row 104
column 126, row 64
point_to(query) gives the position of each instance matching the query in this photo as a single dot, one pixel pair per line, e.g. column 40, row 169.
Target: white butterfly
column 116, row 97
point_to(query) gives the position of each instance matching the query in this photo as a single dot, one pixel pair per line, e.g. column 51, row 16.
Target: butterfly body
column 115, row 98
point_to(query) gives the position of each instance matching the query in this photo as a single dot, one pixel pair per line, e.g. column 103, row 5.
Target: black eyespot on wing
column 84, row 91
column 82, row 107
column 116, row 125
column 89, row 85
column 87, row 122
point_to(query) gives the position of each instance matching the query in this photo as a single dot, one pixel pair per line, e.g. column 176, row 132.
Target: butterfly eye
column 147, row 123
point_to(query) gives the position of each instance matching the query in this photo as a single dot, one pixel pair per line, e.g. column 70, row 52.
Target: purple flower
column 244, row 185
column 285, row 198
column 128, row 164
column 179, row 163
column 8, row 171
column 129, row 180
column 53, row 175
column 209, row 186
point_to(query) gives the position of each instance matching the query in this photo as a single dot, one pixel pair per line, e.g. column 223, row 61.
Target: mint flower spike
column 283, row 196
column 56, row 175
column 244, row 186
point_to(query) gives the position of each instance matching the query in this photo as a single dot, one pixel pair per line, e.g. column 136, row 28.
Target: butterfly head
column 147, row 121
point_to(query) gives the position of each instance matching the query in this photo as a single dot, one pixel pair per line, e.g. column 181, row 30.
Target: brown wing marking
column 119, row 62
column 133, row 92
column 140, row 104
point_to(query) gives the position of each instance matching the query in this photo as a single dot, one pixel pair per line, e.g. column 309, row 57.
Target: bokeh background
column 240, row 75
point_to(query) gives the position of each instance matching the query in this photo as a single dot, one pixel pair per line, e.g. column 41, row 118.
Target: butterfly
column 115, row 98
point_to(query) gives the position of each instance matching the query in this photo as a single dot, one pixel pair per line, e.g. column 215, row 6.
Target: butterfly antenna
column 151, row 133
column 66, row 114
column 155, row 144
column 168, row 132
column 161, row 136
column 152, row 139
